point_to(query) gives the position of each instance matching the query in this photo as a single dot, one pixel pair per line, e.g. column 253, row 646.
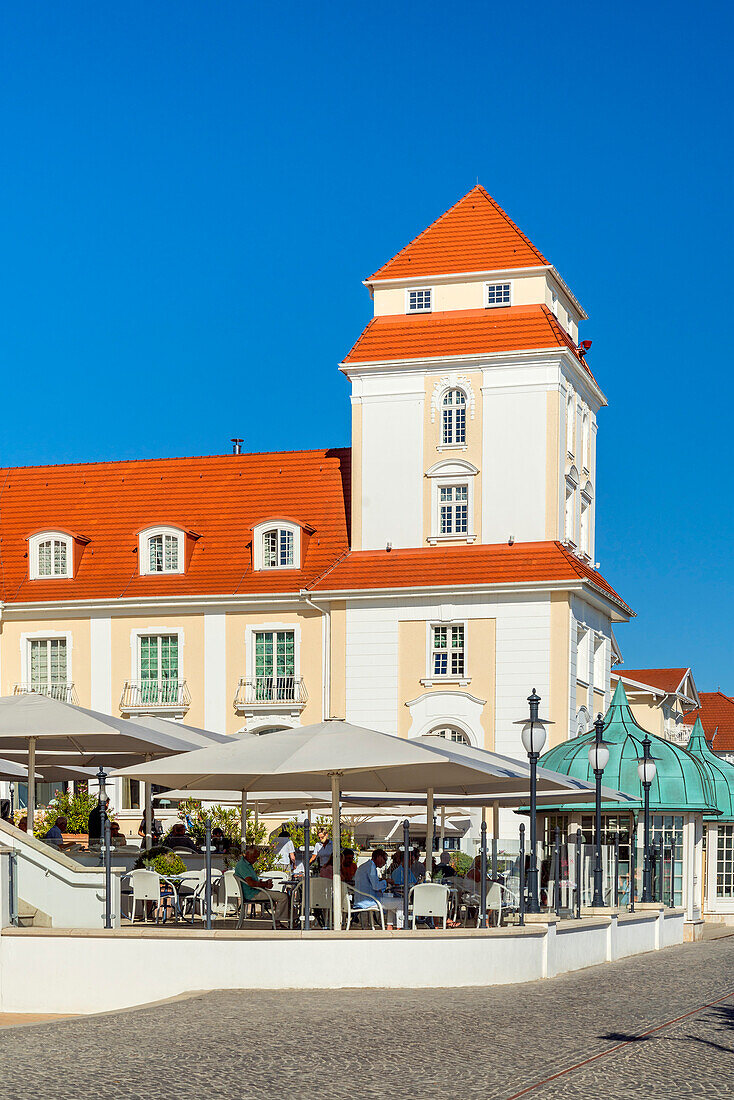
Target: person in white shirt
column 285, row 852
column 367, row 880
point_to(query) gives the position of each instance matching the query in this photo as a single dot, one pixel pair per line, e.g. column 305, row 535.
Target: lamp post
column 598, row 760
column 533, row 738
column 646, row 770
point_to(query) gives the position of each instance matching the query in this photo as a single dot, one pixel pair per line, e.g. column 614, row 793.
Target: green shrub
column 462, row 863
column 165, row 863
column 228, row 819
column 76, row 808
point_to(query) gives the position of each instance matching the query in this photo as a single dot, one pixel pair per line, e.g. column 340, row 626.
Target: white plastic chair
column 430, row 899
column 371, row 909
column 196, row 881
column 494, row 902
column 227, row 901
column 262, row 898
column 277, row 876
column 146, row 887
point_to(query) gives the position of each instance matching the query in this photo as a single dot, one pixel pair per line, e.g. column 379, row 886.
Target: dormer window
column 419, row 300
column 161, row 550
column 499, row 294
column 51, row 555
column 278, row 548
column 277, row 545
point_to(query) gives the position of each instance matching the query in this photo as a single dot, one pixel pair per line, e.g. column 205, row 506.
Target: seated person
column 253, row 886
column 367, row 880
column 220, row 842
column 417, row 864
column 444, row 870
column 5, row 813
column 285, row 852
column 349, row 865
column 177, row 838
column 395, row 862
column 53, row 836
column 156, row 829
column 117, row 839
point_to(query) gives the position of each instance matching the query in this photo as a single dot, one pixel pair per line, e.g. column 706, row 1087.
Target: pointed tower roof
column 473, row 235
column 722, row 773
column 683, row 782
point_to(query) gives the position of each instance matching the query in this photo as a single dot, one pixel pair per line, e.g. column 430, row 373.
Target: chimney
column 236, row 446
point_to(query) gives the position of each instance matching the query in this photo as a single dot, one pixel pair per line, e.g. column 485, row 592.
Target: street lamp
column 533, row 738
column 598, row 760
column 646, row 770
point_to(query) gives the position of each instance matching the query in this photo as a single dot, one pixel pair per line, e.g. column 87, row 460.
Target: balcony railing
column 155, row 696
column 65, row 692
column 271, row 691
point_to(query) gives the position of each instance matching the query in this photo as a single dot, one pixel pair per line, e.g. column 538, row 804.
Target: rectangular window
column 48, row 665
column 447, row 651
column 582, row 654
column 725, row 861
column 498, row 294
column 584, row 524
column 163, row 554
column 570, row 519
column 600, row 663
column 454, row 509
column 569, row 424
column 52, row 558
column 419, row 301
column 275, row 665
column 159, row 669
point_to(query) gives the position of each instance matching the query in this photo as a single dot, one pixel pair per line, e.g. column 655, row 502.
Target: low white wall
column 637, row 935
column 72, row 896
column 55, row 971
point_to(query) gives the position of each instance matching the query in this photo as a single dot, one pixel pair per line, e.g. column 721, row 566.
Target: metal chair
column 262, row 898
column 430, row 899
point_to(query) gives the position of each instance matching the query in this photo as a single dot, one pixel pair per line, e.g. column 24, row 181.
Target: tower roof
column 683, row 782
column 473, row 235
column 722, row 773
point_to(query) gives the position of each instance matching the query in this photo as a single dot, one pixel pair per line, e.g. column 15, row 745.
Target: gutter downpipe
column 325, row 653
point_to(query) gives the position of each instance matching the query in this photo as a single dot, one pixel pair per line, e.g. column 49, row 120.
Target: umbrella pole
column 495, row 835
column 31, row 800
column 243, row 820
column 429, row 834
column 336, row 849
column 148, row 811
column 442, row 834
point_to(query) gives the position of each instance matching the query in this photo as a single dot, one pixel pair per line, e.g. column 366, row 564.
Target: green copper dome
column 683, row 782
column 722, row 774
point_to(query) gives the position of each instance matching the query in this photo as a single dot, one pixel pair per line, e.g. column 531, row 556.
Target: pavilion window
column 725, row 861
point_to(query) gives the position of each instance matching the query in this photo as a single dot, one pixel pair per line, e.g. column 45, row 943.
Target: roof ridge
column 172, row 458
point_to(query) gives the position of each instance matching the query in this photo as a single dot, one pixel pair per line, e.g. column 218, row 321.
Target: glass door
column 274, row 665
column 159, row 669
column 48, row 667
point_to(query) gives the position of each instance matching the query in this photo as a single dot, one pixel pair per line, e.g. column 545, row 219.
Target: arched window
column 277, row 548
column 453, row 418
column 450, row 733
column 161, row 550
column 269, row 729
column 50, row 555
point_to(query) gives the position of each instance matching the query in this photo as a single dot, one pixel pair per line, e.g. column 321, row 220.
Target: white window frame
column 585, row 455
column 148, row 632
column 271, row 628
column 144, row 551
column 34, row 546
column 419, row 290
column 585, row 506
column 570, row 495
column 432, row 678
column 599, row 663
column 258, row 559
column 493, row 283
column 443, row 475
column 570, row 414
column 42, row 636
column 583, row 655
column 454, row 445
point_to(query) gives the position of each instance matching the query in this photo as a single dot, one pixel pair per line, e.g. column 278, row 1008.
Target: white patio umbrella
column 37, row 730
column 351, row 756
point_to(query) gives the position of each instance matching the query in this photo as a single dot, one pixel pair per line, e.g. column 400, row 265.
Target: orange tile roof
column 219, row 497
column 717, row 718
column 665, row 679
column 460, row 332
column 462, row 565
column 474, row 235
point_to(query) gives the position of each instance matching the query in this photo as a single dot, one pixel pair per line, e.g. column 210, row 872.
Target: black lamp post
column 533, row 738
column 598, row 759
column 646, row 770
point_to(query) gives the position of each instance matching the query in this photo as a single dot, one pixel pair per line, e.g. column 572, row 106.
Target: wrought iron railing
column 64, row 692
column 155, row 695
column 258, row 690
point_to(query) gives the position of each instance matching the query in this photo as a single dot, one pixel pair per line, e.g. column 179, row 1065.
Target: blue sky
column 192, row 194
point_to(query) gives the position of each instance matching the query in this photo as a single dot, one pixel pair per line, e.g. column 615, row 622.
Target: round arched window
column 454, row 417
column 451, row 733
column 269, row 729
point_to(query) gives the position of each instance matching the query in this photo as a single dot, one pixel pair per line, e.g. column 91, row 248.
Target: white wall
column 392, row 461
column 513, row 459
column 42, row 971
column 522, row 661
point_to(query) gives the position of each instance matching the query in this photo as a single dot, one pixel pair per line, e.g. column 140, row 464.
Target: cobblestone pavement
column 468, row 1044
